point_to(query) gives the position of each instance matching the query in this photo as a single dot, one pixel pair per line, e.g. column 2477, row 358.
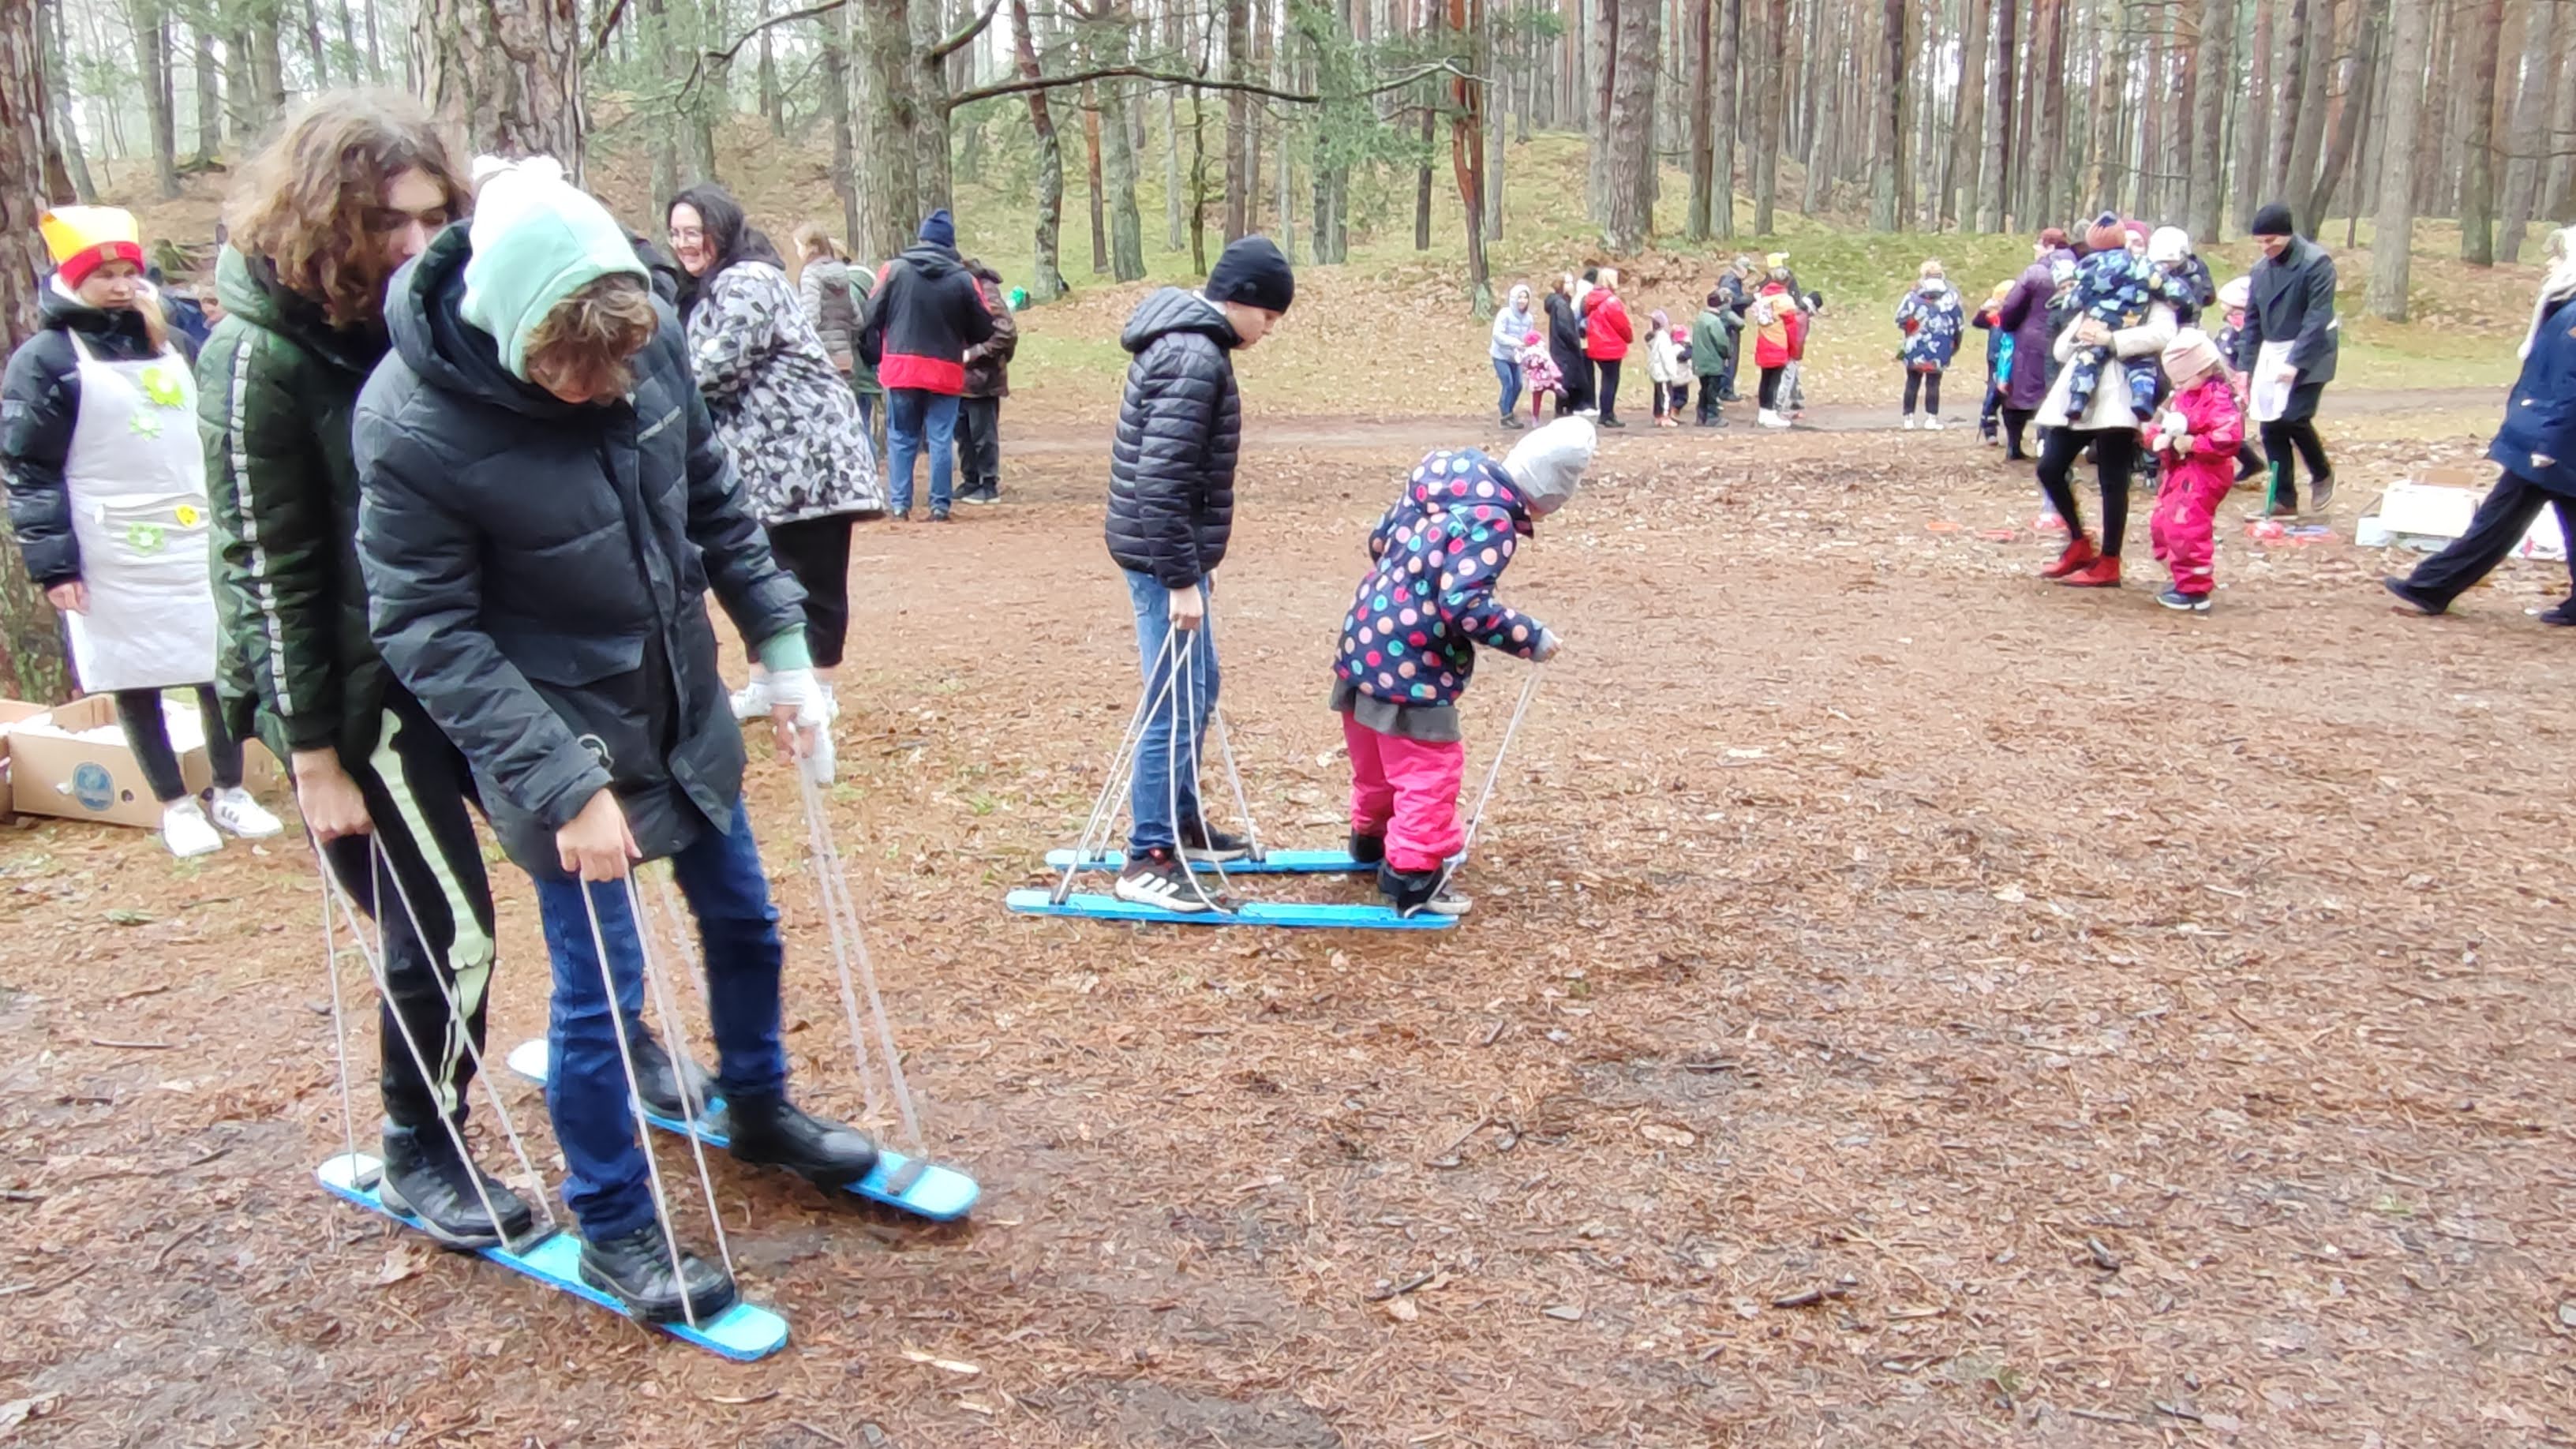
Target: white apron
column 2271, row 395
column 136, row 476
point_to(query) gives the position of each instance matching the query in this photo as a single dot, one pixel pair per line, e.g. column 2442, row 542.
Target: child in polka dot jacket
column 1409, row 646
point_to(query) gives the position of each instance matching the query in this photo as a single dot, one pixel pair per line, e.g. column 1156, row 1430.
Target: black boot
column 424, row 1177
column 635, row 1269
column 1368, row 849
column 1414, row 892
column 773, row 1133
column 657, row 1078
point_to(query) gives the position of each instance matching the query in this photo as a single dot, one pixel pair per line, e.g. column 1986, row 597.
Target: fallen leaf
column 18, row 1411
column 1566, row 1311
column 128, row 916
column 1402, row 1310
column 404, row 1261
column 954, row 1366
column 2223, row 1423
column 1668, row 1136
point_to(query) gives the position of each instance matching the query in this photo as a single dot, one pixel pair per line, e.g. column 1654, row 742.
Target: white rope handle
column 1103, row 819
column 635, row 1106
column 658, row 985
column 817, row 851
column 835, row 880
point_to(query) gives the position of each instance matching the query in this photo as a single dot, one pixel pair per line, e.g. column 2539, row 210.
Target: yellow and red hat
column 84, row 238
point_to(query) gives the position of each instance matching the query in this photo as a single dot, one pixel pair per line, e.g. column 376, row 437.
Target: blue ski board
column 1288, row 914
column 742, row 1333
column 941, row 1194
column 1276, row 862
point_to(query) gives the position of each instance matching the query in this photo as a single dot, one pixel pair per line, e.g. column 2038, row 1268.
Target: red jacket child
column 2195, row 438
column 1607, row 330
column 1780, row 327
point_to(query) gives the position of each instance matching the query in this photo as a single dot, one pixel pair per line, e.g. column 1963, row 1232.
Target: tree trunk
column 2391, row 249
column 2477, row 177
column 1099, row 205
column 1967, row 118
column 933, row 181
column 2253, row 116
column 2344, row 137
column 1628, row 178
column 1994, row 176
column 1703, row 122
column 2316, row 64
column 320, row 49
column 1467, row 100
column 1888, row 145
column 375, row 53
column 31, row 639
column 1126, row 227
column 2047, row 125
column 210, row 97
column 2289, row 99
column 2213, row 78
column 1601, row 63
column 2558, row 199
column 886, row 175
column 1492, row 60
column 1046, row 279
column 506, row 74
column 349, row 51
column 1238, row 121
column 64, row 169
column 773, row 104
column 1729, row 88
column 1766, row 119
column 152, row 47
column 835, row 29
column 267, row 63
column 2531, row 140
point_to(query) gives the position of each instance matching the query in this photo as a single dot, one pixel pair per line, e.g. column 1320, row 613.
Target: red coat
column 1783, row 340
column 1608, row 332
column 2217, row 428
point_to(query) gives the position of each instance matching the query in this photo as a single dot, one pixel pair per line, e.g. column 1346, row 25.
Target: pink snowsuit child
column 2195, row 437
column 1408, row 647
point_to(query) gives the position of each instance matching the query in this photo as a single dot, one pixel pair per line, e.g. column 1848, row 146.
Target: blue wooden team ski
column 1288, row 914
column 1276, row 862
column 924, row 1189
column 743, row 1332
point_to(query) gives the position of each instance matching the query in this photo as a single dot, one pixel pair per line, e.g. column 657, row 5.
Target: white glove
column 1547, row 646
column 797, row 690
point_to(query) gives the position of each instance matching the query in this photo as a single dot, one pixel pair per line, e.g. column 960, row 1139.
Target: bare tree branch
column 747, row 37
column 1196, row 82
column 963, row 37
column 607, row 27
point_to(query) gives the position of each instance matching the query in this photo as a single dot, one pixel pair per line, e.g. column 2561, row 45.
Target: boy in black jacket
column 1171, row 513
column 544, row 508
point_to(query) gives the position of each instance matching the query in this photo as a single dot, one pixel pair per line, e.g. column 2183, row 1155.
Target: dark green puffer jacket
column 277, row 390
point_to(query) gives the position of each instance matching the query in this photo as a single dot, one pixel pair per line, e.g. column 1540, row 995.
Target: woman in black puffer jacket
column 1171, row 514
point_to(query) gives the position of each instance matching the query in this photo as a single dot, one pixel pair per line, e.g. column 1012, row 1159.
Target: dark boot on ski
column 1413, row 893
column 772, row 1132
column 657, row 1078
column 635, row 1269
column 424, row 1177
column 1204, row 844
column 1368, row 849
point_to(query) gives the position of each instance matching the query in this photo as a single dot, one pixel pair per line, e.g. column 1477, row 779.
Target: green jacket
column 277, row 389
column 1712, row 343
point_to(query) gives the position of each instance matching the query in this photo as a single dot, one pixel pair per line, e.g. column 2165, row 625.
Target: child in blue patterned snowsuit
column 2116, row 288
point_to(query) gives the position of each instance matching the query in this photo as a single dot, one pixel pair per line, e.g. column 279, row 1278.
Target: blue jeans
column 1167, row 776
column 1508, row 373
column 607, row 1187
column 916, row 422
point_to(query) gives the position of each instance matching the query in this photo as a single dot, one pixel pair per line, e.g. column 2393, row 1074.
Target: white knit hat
column 1547, row 466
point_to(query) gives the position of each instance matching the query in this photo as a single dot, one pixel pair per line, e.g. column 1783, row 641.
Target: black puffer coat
column 538, row 573
column 39, row 408
column 1171, row 473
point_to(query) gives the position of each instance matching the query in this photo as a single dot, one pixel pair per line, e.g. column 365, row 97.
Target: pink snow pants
column 2185, row 525
column 1407, row 791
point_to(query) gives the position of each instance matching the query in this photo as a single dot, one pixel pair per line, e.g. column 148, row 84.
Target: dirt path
column 1908, row 1004
column 1364, row 433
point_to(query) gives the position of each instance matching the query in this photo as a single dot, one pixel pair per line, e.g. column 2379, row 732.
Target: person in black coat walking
column 1171, row 515
column 2288, row 355
column 1565, row 349
column 2536, row 447
column 544, row 507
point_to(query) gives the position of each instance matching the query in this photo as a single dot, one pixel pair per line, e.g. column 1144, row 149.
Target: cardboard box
column 72, row 761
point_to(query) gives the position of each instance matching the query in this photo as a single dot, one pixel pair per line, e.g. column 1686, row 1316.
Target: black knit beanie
column 2273, row 220
column 1253, row 272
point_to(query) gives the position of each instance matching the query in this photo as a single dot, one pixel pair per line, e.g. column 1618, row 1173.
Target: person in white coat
column 2109, row 426
column 107, row 495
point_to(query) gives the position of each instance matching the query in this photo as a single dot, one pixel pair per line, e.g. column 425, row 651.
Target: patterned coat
column 1930, row 318
column 784, row 412
column 1414, row 625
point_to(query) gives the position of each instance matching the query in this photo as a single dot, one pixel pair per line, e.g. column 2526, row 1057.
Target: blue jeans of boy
column 1508, row 373
column 606, row 1184
column 1167, row 774
column 919, row 422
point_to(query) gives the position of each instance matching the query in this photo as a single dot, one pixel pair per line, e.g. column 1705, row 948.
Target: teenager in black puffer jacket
column 1171, row 514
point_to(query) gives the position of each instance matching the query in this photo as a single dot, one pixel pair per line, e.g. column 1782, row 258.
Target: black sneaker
column 982, row 493
column 1157, row 878
column 424, row 1177
column 1204, row 844
column 1413, row 893
column 939, row 515
column 1612, row 423
column 635, row 1269
column 1368, row 849
column 2186, row 603
column 657, row 1078
column 2320, row 497
column 2562, row 617
column 773, row 1132
column 2415, row 603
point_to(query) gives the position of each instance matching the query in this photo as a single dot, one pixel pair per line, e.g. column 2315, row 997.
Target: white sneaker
column 236, row 812
column 1909, row 422
column 1932, row 424
column 751, row 701
column 1770, row 419
column 185, row 829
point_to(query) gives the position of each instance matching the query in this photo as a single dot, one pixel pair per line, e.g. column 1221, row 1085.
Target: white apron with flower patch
column 136, row 476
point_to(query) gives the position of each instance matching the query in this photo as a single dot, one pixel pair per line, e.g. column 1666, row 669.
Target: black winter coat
column 1565, row 338
column 39, row 408
column 538, row 573
column 2293, row 300
column 1171, row 471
